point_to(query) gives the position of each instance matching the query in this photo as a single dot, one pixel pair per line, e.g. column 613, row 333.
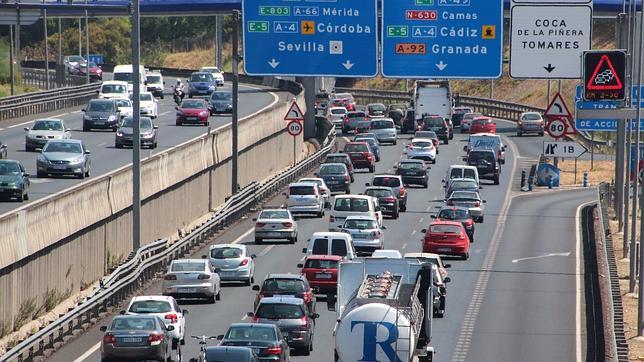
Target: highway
column 105, row 157
column 497, row 309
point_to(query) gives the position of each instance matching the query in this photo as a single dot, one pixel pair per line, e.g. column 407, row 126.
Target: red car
column 446, row 238
column 95, row 72
column 322, row 272
column 360, row 155
column 193, row 111
column 483, row 125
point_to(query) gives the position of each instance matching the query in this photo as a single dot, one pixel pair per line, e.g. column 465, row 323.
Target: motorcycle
column 178, row 96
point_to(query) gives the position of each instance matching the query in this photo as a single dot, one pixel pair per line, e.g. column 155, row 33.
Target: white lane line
column 102, row 144
column 266, row 250
column 244, row 317
column 60, row 115
column 88, row 353
column 243, row 236
column 413, row 233
column 420, row 221
column 346, row 139
column 428, row 208
column 578, row 329
column 404, row 246
column 19, row 124
column 164, row 113
column 77, row 112
column 302, row 258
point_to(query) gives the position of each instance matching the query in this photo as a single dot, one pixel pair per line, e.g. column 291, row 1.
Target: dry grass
column 199, row 58
column 602, row 171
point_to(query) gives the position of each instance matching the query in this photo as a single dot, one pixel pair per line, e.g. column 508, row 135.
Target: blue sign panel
column 606, row 125
column 442, row 38
column 310, row 38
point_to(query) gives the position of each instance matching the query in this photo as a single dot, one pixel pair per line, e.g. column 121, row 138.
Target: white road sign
column 563, row 149
column 547, row 41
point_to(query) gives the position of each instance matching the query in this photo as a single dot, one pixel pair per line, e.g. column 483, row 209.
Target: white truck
column 432, row 97
column 384, row 311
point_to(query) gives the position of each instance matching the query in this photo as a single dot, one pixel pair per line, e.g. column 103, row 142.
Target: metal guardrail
column 617, row 340
column 142, row 265
column 38, row 78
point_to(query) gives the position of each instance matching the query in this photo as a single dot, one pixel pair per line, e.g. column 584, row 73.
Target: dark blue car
column 201, row 84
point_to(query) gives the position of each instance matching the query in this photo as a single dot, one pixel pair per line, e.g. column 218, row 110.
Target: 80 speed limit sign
column 294, row 128
column 556, row 128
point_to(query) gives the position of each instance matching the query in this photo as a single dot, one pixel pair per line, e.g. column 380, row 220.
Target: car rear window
column 445, row 229
column 425, row 134
column 480, row 155
column 332, row 170
column 410, row 166
column 376, row 107
column 360, row 224
column 279, row 311
column 382, row 124
column 482, row 121
column 226, row 253
column 321, row 264
column 434, row 122
column 386, row 181
column 355, row 147
column 339, row 247
column 187, row 266
column 464, row 195
column 301, row 190
column 150, row 306
column 469, row 173
column 463, row 185
column 336, row 159
column 127, row 324
column 338, row 111
column 284, row 285
column 351, row 204
column 274, row 214
column 320, row 247
column 421, row 144
column 531, row 117
column 254, row 333
column 452, row 214
column 379, row 193
column 456, row 173
column 356, row 115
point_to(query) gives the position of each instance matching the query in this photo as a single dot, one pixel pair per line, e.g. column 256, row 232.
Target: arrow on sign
column 273, row 63
column 348, row 64
column 441, row 65
column 563, row 149
column 294, row 113
column 549, row 68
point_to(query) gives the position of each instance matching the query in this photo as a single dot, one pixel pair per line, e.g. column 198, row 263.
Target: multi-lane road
column 518, row 297
column 105, row 157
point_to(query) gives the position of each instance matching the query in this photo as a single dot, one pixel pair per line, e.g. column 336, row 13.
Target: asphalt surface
column 497, row 310
column 105, row 157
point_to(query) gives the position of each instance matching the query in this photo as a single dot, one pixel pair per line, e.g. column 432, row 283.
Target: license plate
column 191, row 118
column 360, row 236
column 444, row 249
column 59, row 167
column 323, row 276
column 202, row 91
column 187, row 290
column 99, row 122
column 273, row 234
column 132, row 340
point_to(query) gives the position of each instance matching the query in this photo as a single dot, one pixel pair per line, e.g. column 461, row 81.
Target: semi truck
column 384, row 311
column 432, row 97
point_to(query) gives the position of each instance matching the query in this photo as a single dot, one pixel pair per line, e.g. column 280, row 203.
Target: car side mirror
column 26, row 174
column 383, row 226
column 220, row 337
column 87, row 152
column 300, row 266
column 250, row 314
column 447, row 280
column 217, row 270
column 26, row 128
column 464, row 159
column 98, row 92
column 447, row 266
column 185, row 312
column 170, row 328
column 204, row 256
column 367, row 184
column 423, row 231
column 304, row 250
column 155, row 127
column 103, row 328
column 254, row 219
column 122, row 312
column 465, row 148
column 314, row 316
column 315, row 174
column 433, row 216
column 255, row 288
column 480, row 187
column 484, row 201
column 176, row 108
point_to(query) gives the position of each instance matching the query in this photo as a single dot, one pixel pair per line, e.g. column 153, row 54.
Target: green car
column 14, row 181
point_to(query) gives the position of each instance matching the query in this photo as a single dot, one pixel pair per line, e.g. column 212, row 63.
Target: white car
column 336, row 115
column 125, row 107
column 164, row 307
column 192, row 278
column 148, row 105
column 216, row 73
column 367, row 235
column 114, row 89
column 234, row 262
column 421, row 149
column 324, row 189
column 432, row 258
column 44, row 130
column 466, row 122
column 275, row 224
column 305, row 198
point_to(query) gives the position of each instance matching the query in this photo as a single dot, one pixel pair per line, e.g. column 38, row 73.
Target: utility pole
column 11, row 69
column 46, row 49
column 621, row 139
column 235, row 115
column 87, row 44
column 136, row 129
column 640, row 302
column 219, row 40
column 59, row 62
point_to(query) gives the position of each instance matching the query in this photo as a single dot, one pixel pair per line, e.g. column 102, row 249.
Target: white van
column 113, row 89
column 331, row 243
column 124, row 73
column 353, row 205
column 461, row 171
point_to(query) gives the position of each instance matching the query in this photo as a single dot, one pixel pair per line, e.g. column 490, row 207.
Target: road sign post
column 442, row 38
column 314, row 38
column 294, row 128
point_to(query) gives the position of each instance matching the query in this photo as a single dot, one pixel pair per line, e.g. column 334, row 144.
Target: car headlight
column 203, row 113
column 147, row 135
column 87, row 118
column 211, row 87
column 78, row 159
column 111, row 118
column 13, row 185
column 119, row 134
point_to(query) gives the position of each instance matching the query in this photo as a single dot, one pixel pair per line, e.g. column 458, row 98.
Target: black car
column 14, row 181
column 335, row 176
column 101, row 114
column 413, row 172
column 486, row 163
column 3, row 150
column 438, row 125
column 341, row 158
column 458, row 113
column 388, row 201
column 409, row 122
column 457, row 213
column 286, row 284
column 265, row 339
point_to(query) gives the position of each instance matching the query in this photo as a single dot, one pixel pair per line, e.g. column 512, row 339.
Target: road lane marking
column 266, row 250
column 243, row 236
column 88, row 353
column 404, row 246
column 20, row 124
column 420, row 221
column 302, row 258
column 413, row 233
column 547, row 255
column 164, row 113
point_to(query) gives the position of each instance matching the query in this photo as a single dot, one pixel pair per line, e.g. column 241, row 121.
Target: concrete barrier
column 67, row 241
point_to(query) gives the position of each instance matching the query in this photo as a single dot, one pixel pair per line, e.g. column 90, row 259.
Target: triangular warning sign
column 557, row 108
column 294, row 113
column 604, row 76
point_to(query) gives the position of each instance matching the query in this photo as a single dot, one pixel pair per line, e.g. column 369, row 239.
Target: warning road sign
column 604, row 73
column 294, row 113
column 557, row 108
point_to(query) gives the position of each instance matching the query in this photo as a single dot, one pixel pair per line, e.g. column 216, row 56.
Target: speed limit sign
column 294, row 128
column 556, row 128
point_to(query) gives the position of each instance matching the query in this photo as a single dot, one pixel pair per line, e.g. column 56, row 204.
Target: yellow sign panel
column 308, row 27
column 489, row 32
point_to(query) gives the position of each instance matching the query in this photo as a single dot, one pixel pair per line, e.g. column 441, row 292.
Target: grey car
column 265, row 339
column 136, row 337
column 148, row 133
column 293, row 318
column 530, row 122
column 64, row 157
column 44, row 130
column 221, row 102
column 101, row 114
column 336, row 176
column 192, row 278
column 230, row 354
column 234, row 262
column 14, row 180
column 341, row 158
column 385, row 130
column 469, row 199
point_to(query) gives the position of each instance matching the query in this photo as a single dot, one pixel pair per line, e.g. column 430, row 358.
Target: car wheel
column 87, row 172
column 190, row 95
column 29, row 149
column 25, row 197
column 81, row 175
column 465, row 256
column 481, row 219
column 207, row 124
column 117, row 145
column 541, row 134
column 252, row 279
column 425, row 185
column 177, row 123
column 218, row 296
column 154, row 146
column 395, row 143
column 403, row 208
column 40, row 174
column 85, row 128
column 345, row 130
column 347, row 191
column 114, row 129
column 446, row 141
column 248, row 282
column 372, row 169
column 395, row 215
column 306, row 351
column 352, row 179
column 434, row 160
column 519, row 134
column 496, row 180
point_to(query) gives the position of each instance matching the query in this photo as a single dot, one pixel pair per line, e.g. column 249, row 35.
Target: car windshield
column 150, row 306
column 462, row 110
column 422, row 144
column 201, row 77
column 253, row 333
column 284, row 285
column 482, row 156
column 410, row 165
column 125, row 77
column 387, row 181
column 113, row 88
column 274, row 214
column 459, row 195
column 336, row 159
column 356, row 147
column 130, row 323
column 123, row 103
column 464, row 185
column 146, row 97
column 453, row 214
column 279, row 311
column 370, row 141
column 301, row 190
column 321, row 264
column 351, row 204
column 356, row 115
column 65, row 147
column 193, row 104
column 153, row 78
column 482, row 122
column 226, row 252
column 445, row 229
column 360, row 224
column 188, row 266
column 75, row 58
column 100, row 106
column 425, row 134
column 221, row 96
column 379, row 193
column 9, row 168
column 47, row 126
column 145, row 122
column 531, row 117
column 382, row 124
column 471, row 115
column 332, row 170
column 338, row 111
column 376, row 107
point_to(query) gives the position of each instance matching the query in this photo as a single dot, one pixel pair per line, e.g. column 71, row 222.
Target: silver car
column 275, row 224
column 469, row 199
column 530, row 122
column 385, row 130
column 304, row 198
column 367, row 235
column 64, row 157
column 148, row 133
column 421, row 149
column 192, row 278
column 324, row 189
column 234, row 262
column 44, row 130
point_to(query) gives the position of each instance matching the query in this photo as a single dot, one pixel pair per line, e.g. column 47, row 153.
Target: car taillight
column 402, row 191
column 468, row 224
column 203, row 276
column 462, row 236
column 307, row 297
column 287, row 224
column 155, row 338
column 259, row 224
column 170, row 277
column 304, row 326
column 331, row 218
column 243, row 262
column 369, row 156
column 255, row 319
column 108, row 338
column 274, row 350
column 375, row 233
column 172, row 317
column 346, row 178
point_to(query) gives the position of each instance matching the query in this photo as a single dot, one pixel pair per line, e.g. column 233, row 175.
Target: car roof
column 285, row 276
column 48, row 120
column 445, row 207
column 69, row 140
column 411, row 160
column 273, row 209
column 421, row 255
column 165, row 298
column 328, row 164
column 462, row 166
column 344, row 155
column 353, row 197
column 446, row 222
column 253, row 325
column 388, row 175
column 282, row 299
column 220, row 246
column 193, row 260
column 377, row 188
column 329, row 234
column 421, row 139
column 324, row 257
column 360, row 217
column 386, row 253
column 302, row 184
